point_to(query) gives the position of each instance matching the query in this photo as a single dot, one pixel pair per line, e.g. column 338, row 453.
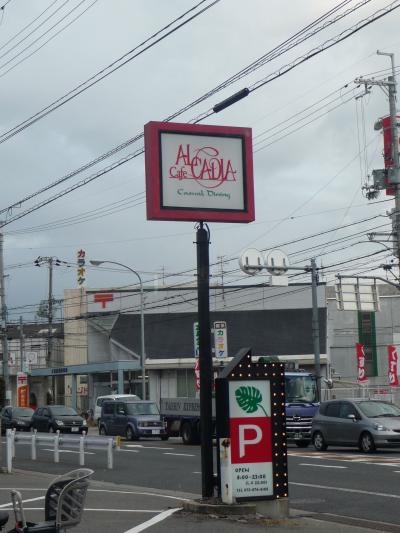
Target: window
column 99, row 402
column 186, row 387
column 108, row 409
column 45, row 412
column 347, row 409
column 367, row 337
column 120, row 409
column 376, row 409
column 332, row 409
column 141, row 408
column 39, row 412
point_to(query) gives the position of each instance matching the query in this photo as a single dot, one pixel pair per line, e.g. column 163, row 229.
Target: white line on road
column 322, row 466
column 343, row 489
column 155, row 520
column 140, row 493
column 88, row 509
column 23, row 501
column 147, row 447
column 180, row 454
column 131, row 451
column 66, row 451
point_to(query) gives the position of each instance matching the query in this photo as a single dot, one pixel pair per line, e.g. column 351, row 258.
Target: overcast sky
column 305, row 183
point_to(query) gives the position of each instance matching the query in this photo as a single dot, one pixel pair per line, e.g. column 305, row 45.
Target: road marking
column 139, row 493
column 180, row 454
column 343, row 489
column 23, row 501
column 87, row 509
column 155, row 520
column 147, row 447
column 322, row 466
column 66, row 451
column 196, row 472
column 131, row 451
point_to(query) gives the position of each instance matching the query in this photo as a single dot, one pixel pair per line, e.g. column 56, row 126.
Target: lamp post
column 143, row 355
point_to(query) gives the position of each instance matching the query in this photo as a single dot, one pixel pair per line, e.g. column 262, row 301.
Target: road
column 363, row 489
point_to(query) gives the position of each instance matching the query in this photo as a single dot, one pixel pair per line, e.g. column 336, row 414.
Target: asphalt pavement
column 339, row 490
column 129, row 509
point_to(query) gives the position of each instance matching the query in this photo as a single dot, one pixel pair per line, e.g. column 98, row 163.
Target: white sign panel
column 196, row 339
column 202, row 171
column 220, row 339
column 251, row 439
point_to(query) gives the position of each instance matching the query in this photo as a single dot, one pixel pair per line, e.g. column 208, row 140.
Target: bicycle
column 64, row 505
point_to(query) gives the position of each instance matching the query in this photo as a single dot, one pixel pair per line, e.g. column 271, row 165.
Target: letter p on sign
column 246, row 430
column 250, row 440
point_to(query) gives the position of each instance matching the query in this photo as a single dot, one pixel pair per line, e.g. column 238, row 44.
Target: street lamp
column 143, row 355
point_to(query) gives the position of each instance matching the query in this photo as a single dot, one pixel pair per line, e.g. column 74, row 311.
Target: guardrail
column 82, row 443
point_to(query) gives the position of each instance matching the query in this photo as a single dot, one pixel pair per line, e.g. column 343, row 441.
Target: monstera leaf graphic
column 249, row 399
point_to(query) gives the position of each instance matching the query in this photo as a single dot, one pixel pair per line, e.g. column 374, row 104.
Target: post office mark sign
column 199, row 172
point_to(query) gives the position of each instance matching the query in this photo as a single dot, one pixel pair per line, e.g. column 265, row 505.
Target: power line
column 103, row 73
column 48, row 40
column 27, row 26
column 33, row 31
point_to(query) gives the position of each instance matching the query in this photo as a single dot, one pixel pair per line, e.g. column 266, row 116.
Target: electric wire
column 48, row 40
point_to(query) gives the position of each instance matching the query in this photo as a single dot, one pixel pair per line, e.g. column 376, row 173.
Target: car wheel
column 102, row 430
column 302, row 443
column 319, row 442
column 130, row 434
column 367, row 444
column 188, row 433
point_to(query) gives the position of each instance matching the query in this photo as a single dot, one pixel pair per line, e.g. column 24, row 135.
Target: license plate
column 298, row 436
column 75, row 429
column 155, row 431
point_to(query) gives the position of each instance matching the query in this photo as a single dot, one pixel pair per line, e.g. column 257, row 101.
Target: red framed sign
column 199, row 172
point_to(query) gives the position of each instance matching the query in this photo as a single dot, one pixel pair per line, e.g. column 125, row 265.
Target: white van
column 101, row 399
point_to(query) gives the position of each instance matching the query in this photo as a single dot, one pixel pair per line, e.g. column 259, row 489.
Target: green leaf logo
column 249, row 399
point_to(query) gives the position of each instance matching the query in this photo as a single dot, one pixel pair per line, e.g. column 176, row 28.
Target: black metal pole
column 205, row 358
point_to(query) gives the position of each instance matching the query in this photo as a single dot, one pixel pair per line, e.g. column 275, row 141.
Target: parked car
column 132, row 419
column 53, row 417
column 18, row 418
column 101, row 399
column 368, row 424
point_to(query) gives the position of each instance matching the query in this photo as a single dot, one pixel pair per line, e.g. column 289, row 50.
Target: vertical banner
column 197, row 374
column 196, row 339
column 392, row 366
column 362, row 377
column 22, row 389
column 220, row 339
column 81, row 270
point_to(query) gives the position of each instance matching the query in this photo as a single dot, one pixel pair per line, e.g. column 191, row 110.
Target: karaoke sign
column 198, row 172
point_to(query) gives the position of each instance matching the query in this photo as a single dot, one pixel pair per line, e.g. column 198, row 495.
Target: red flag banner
column 362, row 377
column 392, row 372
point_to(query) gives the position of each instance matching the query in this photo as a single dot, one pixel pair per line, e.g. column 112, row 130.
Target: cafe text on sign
column 199, row 172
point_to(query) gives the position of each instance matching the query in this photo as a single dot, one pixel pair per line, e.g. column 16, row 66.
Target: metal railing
column 56, row 441
column 376, row 392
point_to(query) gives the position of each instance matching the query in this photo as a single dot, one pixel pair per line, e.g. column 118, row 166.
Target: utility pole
column 51, row 261
column 315, row 325
column 3, row 328
column 391, row 172
column 21, row 344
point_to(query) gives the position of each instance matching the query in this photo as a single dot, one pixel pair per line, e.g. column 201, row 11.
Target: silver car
column 368, row 424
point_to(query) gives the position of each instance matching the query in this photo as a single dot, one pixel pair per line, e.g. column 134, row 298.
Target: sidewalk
column 123, row 508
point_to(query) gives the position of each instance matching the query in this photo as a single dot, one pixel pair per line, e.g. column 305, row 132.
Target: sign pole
column 205, row 358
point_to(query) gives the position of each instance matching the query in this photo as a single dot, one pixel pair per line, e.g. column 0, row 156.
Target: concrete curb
column 220, row 509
